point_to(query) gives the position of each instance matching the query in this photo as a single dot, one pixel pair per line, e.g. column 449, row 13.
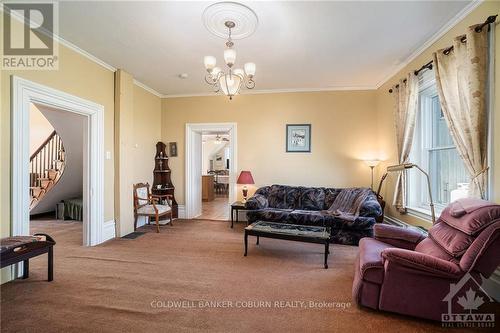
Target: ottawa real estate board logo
column 28, row 36
column 468, row 305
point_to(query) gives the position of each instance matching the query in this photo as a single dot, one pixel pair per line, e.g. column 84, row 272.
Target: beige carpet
column 111, row 287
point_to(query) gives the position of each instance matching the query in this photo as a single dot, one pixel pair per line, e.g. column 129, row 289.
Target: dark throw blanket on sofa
column 350, row 213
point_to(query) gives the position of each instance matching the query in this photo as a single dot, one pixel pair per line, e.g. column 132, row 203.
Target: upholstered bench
column 22, row 248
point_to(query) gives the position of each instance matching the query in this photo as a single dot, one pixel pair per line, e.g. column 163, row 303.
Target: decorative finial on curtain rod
column 463, row 39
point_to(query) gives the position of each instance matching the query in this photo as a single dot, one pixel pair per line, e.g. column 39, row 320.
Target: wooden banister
column 51, row 135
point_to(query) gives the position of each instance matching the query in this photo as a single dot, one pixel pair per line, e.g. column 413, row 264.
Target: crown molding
column 60, row 40
column 440, row 33
column 148, row 89
column 277, row 91
column 84, row 53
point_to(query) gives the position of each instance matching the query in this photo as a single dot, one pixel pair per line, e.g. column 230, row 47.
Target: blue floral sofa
column 309, row 206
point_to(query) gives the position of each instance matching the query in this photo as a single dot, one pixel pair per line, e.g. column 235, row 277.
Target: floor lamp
column 372, row 164
column 402, row 167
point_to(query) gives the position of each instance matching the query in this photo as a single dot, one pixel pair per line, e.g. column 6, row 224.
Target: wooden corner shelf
column 161, row 177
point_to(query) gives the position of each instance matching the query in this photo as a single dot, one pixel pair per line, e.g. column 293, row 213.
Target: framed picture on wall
column 298, row 138
column 172, row 148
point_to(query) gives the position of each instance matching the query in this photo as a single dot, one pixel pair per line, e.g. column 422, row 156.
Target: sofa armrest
column 404, row 238
column 370, row 207
column 422, row 262
column 257, row 201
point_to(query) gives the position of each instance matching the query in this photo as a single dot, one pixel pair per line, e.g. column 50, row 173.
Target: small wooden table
column 22, row 248
column 293, row 232
column 236, row 206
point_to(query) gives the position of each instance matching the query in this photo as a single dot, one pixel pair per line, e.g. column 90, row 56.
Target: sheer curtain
column 461, row 78
column 405, row 115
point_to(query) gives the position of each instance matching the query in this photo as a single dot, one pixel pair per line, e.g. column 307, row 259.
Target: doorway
column 216, row 159
column 221, row 171
column 24, row 94
column 57, row 159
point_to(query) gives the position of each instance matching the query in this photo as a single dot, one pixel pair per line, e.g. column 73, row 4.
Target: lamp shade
column 245, row 178
column 229, row 56
column 250, row 68
column 230, row 84
column 209, row 62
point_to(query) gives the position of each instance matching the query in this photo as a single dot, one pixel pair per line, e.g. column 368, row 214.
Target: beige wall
column 385, row 105
column 343, row 133
column 40, row 129
column 137, row 130
column 147, row 132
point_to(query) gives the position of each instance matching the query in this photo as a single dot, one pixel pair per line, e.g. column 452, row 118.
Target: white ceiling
column 297, row 45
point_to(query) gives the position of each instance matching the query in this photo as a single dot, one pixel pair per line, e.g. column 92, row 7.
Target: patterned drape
column 461, row 78
column 405, row 115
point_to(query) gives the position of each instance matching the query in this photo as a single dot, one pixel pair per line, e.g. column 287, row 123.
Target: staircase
column 46, row 167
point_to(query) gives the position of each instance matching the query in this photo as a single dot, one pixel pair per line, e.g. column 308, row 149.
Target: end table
column 236, row 206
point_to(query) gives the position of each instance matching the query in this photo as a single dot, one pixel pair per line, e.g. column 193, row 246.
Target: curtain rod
column 463, row 39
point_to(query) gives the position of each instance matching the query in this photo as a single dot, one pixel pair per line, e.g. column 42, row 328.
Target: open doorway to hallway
column 216, row 160
column 195, row 169
column 57, row 150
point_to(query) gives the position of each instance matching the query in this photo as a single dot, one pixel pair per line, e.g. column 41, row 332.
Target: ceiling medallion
column 231, row 14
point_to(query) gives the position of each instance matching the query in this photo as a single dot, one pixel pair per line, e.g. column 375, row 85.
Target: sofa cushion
column 428, row 246
column 370, row 259
column 312, row 198
column 276, row 198
column 453, row 241
column 269, row 214
column 473, row 222
column 308, row 217
column 292, row 198
column 330, row 195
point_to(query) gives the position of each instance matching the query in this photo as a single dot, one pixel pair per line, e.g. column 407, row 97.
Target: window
column 433, row 150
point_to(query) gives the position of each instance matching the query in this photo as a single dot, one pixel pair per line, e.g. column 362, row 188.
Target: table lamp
column 245, row 179
column 372, row 164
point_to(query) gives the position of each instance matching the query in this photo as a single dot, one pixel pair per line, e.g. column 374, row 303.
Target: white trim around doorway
column 24, row 93
column 192, row 199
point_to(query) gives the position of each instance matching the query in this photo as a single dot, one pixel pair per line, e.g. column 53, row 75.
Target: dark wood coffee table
column 293, row 232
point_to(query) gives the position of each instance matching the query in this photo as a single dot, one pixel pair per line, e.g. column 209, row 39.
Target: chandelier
column 229, row 82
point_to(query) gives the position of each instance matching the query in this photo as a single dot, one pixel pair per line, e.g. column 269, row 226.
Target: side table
column 236, row 206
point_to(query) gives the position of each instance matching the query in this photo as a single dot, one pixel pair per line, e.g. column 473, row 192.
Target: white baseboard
column 181, row 212
column 395, row 221
column 109, row 230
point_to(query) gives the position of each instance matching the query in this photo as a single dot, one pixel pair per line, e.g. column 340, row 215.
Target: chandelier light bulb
column 250, row 69
column 230, row 56
column 209, row 62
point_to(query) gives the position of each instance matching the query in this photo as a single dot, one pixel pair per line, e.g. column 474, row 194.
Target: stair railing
column 46, row 157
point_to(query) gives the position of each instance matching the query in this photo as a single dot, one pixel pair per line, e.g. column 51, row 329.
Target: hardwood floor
column 217, row 209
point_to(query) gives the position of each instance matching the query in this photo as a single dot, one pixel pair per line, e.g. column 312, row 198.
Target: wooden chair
column 146, row 204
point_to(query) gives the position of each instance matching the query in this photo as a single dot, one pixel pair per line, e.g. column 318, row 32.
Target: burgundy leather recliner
column 401, row 270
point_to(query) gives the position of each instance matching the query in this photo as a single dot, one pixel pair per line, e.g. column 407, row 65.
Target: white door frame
column 192, row 204
column 24, row 93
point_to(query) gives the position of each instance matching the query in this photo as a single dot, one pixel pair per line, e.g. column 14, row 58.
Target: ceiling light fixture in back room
column 240, row 22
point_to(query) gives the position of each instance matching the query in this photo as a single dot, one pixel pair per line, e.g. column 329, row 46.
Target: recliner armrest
column 257, row 201
column 397, row 236
column 422, row 262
